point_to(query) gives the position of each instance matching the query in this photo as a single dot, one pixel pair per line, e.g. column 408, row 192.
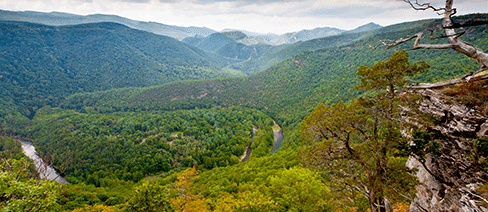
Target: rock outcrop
column 448, row 180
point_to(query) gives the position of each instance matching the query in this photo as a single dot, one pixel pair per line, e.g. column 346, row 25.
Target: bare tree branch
column 390, row 44
column 425, row 6
column 457, row 35
column 468, row 24
column 449, row 26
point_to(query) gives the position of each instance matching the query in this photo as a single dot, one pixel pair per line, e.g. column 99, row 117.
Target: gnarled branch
column 390, row 43
column 423, row 6
column 468, row 24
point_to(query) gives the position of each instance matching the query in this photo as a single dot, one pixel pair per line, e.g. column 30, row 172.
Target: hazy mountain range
column 60, row 19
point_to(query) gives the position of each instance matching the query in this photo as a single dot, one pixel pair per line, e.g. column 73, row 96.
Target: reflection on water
column 278, row 136
column 45, row 171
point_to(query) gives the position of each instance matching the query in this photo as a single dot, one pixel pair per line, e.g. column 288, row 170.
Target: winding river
column 43, row 169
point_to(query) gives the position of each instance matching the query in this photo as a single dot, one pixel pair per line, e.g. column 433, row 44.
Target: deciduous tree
column 20, row 194
column 150, row 197
column 185, row 199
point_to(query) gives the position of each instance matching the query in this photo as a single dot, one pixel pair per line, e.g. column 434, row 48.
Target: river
column 278, row 139
column 43, row 169
column 278, row 136
column 248, row 149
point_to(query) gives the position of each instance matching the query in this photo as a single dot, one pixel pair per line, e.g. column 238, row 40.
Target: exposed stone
column 448, row 181
column 483, row 130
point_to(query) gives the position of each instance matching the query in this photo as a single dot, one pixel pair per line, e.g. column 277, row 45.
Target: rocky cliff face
column 449, row 179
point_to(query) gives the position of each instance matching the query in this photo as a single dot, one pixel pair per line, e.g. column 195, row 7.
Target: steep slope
column 61, row 19
column 40, row 64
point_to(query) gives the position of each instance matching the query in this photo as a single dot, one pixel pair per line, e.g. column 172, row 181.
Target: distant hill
column 61, row 19
column 40, row 64
column 246, row 39
column 253, row 37
column 366, row 27
column 234, row 35
column 213, row 42
column 229, row 45
column 252, row 34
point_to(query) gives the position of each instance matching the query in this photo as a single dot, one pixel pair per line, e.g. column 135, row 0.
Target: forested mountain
column 255, row 35
column 364, row 28
column 40, row 64
column 61, row 19
column 243, row 38
column 228, row 45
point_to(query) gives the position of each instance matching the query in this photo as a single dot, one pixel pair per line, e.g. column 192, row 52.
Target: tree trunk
column 372, row 201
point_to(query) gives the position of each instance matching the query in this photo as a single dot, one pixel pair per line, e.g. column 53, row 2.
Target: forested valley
column 136, row 121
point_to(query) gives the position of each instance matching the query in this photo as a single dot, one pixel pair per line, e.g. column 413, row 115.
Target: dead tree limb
column 449, row 26
column 468, row 24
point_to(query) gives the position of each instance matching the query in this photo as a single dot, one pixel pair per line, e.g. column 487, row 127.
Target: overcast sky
column 275, row 16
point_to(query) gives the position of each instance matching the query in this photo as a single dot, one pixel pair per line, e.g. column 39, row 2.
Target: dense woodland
column 131, row 145
column 178, row 146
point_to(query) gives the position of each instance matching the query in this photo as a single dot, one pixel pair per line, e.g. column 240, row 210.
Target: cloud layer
column 277, row 16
